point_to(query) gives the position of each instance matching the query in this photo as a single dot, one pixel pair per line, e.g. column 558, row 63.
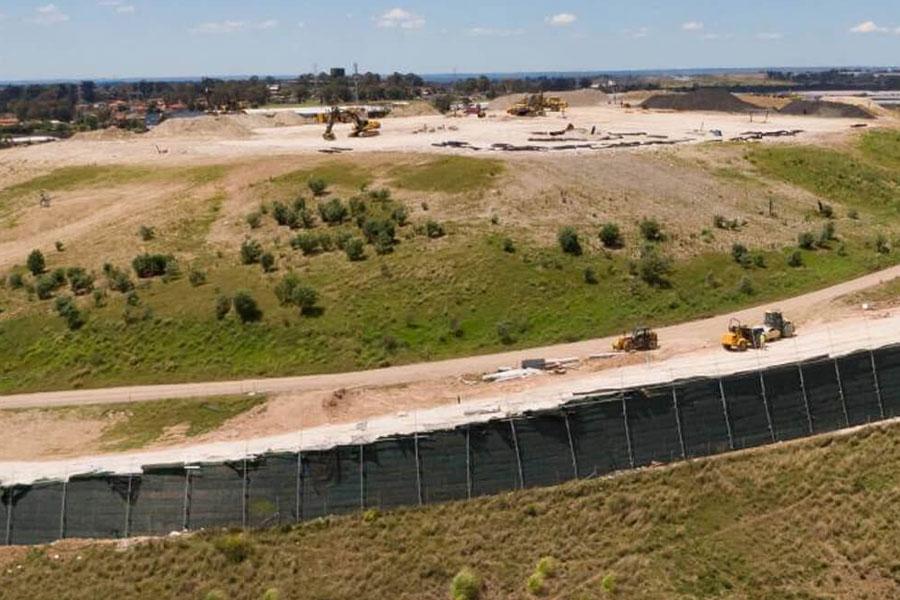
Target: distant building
column 338, row 72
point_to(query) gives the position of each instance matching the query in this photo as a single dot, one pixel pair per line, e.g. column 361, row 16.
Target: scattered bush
column 271, row 594
column 548, row 567
column 651, row 230
column 36, row 263
column 433, row 229
column 355, row 249
column 882, row 246
column 246, row 307
column 223, row 306
column 132, row 298
column 611, row 236
column 307, row 243
column 65, row 307
column 654, row 268
column 806, row 240
column 826, row 210
column 745, row 286
column 853, row 214
column 827, row 234
column 267, row 261
column 535, row 584
column 759, row 260
column 466, row 585
column 146, row 232
column 380, row 195
column 508, row 245
column 741, row 255
column 333, row 212
column 505, row 332
column 400, row 215
column 235, row 547
column 99, row 297
column 251, row 252
column 44, row 286
column 117, row 279
column 60, row 247
column 16, row 281
column 495, row 219
column 317, row 186
column 608, row 583
column 281, row 213
column 80, row 280
column 590, row 276
column 196, row 277
column 291, row 291
column 173, row 271
column 357, row 207
column 568, row 241
column 151, row 265
column 375, row 229
column 254, row 219
column 720, row 222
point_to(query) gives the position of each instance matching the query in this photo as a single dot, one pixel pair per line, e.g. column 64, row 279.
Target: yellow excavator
column 536, row 105
column 362, row 125
column 641, row 339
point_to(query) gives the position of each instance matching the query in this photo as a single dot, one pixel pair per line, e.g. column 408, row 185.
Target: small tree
column 36, row 263
column 400, row 215
column 317, row 186
column 267, row 261
column 16, row 281
column 196, row 277
column 251, row 251
column 281, row 213
column 44, row 287
column 378, row 229
column 117, row 279
column 654, row 268
column 651, row 230
column 611, row 236
column 806, row 240
column 151, row 265
column 355, row 249
column 80, row 280
column 246, row 307
column 307, row 243
column 795, row 259
column 741, row 255
column 433, row 229
column 568, row 241
column 66, row 308
column 223, row 306
column 333, row 211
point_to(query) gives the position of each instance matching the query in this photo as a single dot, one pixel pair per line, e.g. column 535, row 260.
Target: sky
column 73, row 39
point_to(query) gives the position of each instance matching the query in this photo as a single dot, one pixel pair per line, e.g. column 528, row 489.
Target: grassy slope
column 404, row 307
column 812, row 520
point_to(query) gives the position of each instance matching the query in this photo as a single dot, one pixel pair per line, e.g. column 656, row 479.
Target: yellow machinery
column 741, row 337
column 536, row 105
column 642, row 338
column 362, row 125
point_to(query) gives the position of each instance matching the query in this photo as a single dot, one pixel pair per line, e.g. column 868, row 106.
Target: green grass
column 339, row 174
column 882, row 147
column 448, row 174
column 809, row 520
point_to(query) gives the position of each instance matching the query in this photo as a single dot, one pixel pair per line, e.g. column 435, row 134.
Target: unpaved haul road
column 681, row 339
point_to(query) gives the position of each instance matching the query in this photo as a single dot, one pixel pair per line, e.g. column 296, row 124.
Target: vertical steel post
column 468, row 463
column 765, row 398
column 9, row 517
column 805, row 397
column 627, row 429
column 512, row 427
column 362, row 478
column 186, row 503
column 571, row 445
column 62, row 510
column 245, row 490
column 877, row 385
column 128, row 506
column 678, row 423
column 725, row 411
column 418, row 468
column 837, row 372
column 298, row 497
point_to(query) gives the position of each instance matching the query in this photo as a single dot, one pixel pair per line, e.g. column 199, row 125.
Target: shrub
column 251, row 252
column 505, row 332
column 59, row 246
column 306, row 219
column 317, row 186
column 254, row 219
column 173, row 271
column 720, row 222
column 384, row 244
column 281, row 213
column 654, row 268
column 223, row 306
column 882, row 246
column 608, row 583
column 433, row 229
column 826, row 210
column 651, row 230
column 535, row 584
column 568, row 241
column 380, row 195
column 590, row 276
column 508, row 245
column 375, row 229
column 466, row 585
column 151, row 265
column 357, row 207
column 44, row 287
column 307, row 243
column 65, row 307
column 495, row 219
column 58, row 276
column 611, row 236
column 117, row 279
column 146, row 232
column 246, row 308
column 400, row 215
column 853, row 214
column 132, row 298
column 355, row 249
column 36, row 263
column 80, row 280
column 99, row 297
column 745, row 286
column 548, row 567
column 267, row 261
column 827, row 233
column 197, row 277
column 741, row 255
column 291, row 291
column 271, row 594
column 759, row 260
column 806, row 240
column 16, row 281
column 235, row 547
column 333, row 211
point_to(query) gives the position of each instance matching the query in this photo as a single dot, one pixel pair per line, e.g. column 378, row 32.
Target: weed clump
column 611, row 236
column 568, row 241
column 246, row 307
column 466, row 585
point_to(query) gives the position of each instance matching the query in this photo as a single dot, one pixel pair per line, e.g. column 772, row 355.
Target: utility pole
column 356, row 83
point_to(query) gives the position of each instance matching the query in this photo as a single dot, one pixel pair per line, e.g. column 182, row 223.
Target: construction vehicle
column 776, row 326
column 536, row 105
column 642, row 338
column 741, row 337
column 362, row 125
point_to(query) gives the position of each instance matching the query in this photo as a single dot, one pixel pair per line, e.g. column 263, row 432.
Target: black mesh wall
column 96, row 506
column 858, row 381
column 824, row 395
column 598, row 431
column 442, row 455
column 5, row 504
column 158, row 506
column 330, row 482
column 653, row 425
column 36, row 513
column 272, row 490
column 747, row 410
column 785, row 396
column 702, row 417
column 216, row 496
column 495, row 467
column 544, row 448
column 887, row 364
column 391, row 473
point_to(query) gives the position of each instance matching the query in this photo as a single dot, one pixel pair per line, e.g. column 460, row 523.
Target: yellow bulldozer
column 536, row 105
column 641, row 339
column 362, row 125
column 740, row 337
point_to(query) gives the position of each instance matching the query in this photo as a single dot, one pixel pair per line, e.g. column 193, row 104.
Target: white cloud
column 267, row 24
column 49, row 15
column 640, row 32
column 692, row 26
column 493, row 32
column 868, row 27
column 118, row 6
column 222, row 27
column 561, row 19
column 400, row 18
column 716, row 36
column 769, row 36
column 301, row 24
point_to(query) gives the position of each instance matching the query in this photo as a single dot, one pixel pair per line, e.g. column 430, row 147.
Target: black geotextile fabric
column 858, row 381
column 36, row 513
column 653, row 425
column 702, row 417
column 544, row 447
column 495, row 467
column 272, row 483
column 330, row 482
column 442, row 456
column 216, row 495
column 887, row 364
column 158, row 505
column 824, row 395
column 96, row 506
column 785, row 396
column 598, row 431
column 390, row 473
column 747, row 410
column 5, row 506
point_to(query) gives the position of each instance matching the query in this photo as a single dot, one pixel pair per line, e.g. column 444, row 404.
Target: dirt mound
column 110, row 134
column 414, row 109
column 205, row 126
column 822, row 108
column 707, row 99
column 575, row 98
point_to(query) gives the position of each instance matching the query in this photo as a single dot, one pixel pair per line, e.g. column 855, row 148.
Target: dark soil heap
column 705, row 99
column 820, row 108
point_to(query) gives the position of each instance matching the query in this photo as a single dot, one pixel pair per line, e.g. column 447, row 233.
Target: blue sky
column 134, row 38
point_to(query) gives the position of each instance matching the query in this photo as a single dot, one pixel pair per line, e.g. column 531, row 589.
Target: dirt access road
column 683, row 339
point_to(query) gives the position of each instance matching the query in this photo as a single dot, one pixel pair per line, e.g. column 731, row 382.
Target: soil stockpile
column 821, row 108
column 205, row 126
column 414, row 109
column 575, row 98
column 709, row 99
column 110, row 134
